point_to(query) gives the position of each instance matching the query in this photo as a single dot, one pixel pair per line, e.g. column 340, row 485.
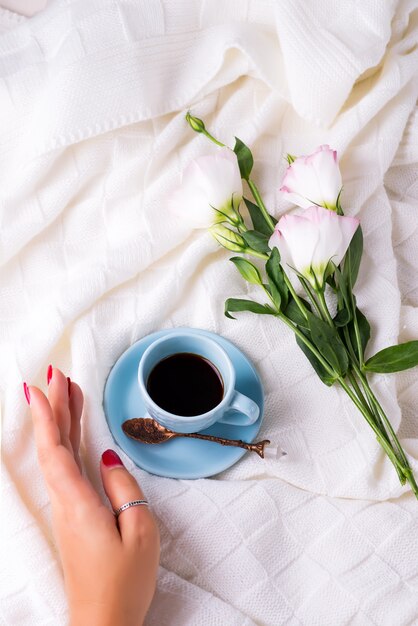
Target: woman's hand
column 110, row 566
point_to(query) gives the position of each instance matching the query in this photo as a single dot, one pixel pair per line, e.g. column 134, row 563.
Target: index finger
column 61, row 472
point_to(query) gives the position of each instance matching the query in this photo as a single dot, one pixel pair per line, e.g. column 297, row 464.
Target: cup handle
column 241, row 404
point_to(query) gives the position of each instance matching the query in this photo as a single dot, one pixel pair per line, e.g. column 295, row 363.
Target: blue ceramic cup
column 234, row 408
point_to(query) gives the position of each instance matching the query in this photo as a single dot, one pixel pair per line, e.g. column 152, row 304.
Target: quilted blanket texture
column 93, row 95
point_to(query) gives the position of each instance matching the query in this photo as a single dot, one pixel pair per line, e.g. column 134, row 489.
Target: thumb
column 121, row 487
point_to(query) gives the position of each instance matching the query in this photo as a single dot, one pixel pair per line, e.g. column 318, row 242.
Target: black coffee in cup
column 185, row 384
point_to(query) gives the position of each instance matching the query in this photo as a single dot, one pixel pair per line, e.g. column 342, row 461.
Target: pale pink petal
column 301, row 236
column 325, row 149
column 309, row 241
column 192, row 207
column 208, row 183
column 301, row 179
column 298, row 200
column 314, row 179
column 218, row 177
column 348, row 226
column 328, row 177
column 227, row 153
column 328, row 242
column 275, row 239
column 278, row 241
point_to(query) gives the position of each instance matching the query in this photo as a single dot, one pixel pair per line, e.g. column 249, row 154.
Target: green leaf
column 245, row 158
column 331, row 282
column 342, row 318
column 394, row 359
column 247, row 270
column 257, row 218
column 364, row 331
column 294, row 313
column 353, row 257
column 278, row 287
column 343, row 289
column 257, row 241
column 329, row 344
column 235, row 304
column 326, row 378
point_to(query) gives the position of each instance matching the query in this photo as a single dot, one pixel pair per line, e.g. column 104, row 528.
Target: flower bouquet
column 321, row 247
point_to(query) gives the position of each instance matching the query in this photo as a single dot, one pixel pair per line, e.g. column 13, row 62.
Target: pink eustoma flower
column 211, row 188
column 314, row 179
column 308, row 242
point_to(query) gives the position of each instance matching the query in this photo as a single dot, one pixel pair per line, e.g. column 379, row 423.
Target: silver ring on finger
column 128, row 505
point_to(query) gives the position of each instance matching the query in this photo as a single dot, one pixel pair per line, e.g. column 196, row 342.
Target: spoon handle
column 237, row 443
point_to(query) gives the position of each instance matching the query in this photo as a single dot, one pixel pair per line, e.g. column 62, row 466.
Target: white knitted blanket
column 92, row 139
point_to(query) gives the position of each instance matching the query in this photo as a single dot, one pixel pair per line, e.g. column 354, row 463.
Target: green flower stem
column 268, row 294
column 409, row 475
column 349, row 345
column 383, row 442
column 259, row 255
column 310, row 295
column 372, row 410
column 369, row 407
column 364, row 384
column 374, row 413
column 289, row 285
column 295, row 295
column 357, row 332
column 401, row 465
column 265, row 257
column 355, row 366
column 381, row 419
column 212, row 138
column 309, row 345
column 260, row 203
column 355, row 322
column 389, row 426
column 241, row 226
column 357, row 389
column 380, row 424
column 364, row 411
column 378, row 415
column 367, row 402
column 324, row 307
column 347, row 389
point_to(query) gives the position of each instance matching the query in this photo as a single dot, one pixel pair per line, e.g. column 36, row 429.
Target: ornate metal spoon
column 147, row 430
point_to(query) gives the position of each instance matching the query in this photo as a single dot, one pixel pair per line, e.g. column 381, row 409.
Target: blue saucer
column 178, row 458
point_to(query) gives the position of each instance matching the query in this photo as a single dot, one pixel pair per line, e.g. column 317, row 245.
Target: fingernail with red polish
column 111, row 459
column 49, row 374
column 27, row 392
column 69, row 386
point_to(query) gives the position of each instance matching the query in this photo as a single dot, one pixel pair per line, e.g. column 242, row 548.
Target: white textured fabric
column 92, row 139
